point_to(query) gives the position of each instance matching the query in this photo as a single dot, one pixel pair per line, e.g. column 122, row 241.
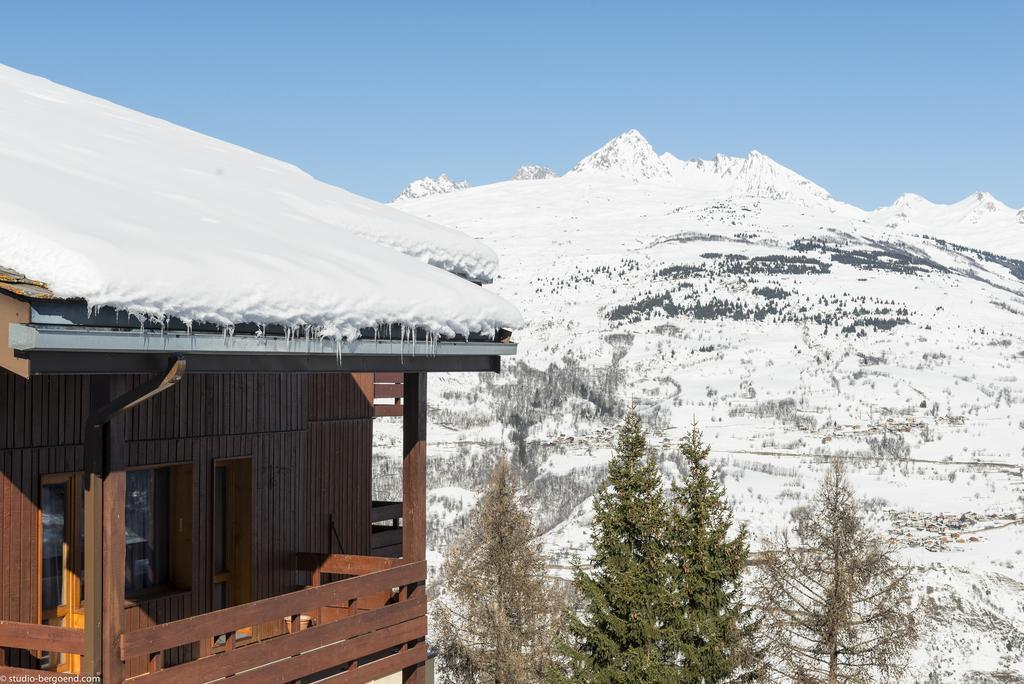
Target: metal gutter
column 25, row 339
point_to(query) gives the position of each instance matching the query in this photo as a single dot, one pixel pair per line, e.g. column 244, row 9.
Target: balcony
column 366, row 625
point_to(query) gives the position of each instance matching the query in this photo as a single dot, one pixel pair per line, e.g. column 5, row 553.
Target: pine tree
column 498, row 615
column 707, row 621
column 619, row 633
column 834, row 599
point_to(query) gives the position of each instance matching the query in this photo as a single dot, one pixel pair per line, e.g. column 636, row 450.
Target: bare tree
column 499, row 612
column 833, row 600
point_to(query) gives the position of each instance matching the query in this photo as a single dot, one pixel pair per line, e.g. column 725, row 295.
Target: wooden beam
column 32, row 637
column 134, row 397
column 343, row 564
column 114, row 551
column 92, row 589
column 414, row 490
column 381, row 410
column 389, row 391
column 104, row 538
column 378, row 669
column 414, row 468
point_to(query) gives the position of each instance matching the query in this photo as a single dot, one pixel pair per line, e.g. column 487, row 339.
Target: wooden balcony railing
column 386, row 539
column 377, row 628
column 31, row 637
column 391, row 388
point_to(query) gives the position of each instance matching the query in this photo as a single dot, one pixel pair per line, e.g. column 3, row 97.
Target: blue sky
column 869, row 101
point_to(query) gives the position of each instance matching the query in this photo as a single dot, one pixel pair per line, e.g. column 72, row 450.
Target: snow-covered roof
column 121, row 209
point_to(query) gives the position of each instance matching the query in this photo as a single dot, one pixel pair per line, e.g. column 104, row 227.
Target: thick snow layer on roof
column 123, row 209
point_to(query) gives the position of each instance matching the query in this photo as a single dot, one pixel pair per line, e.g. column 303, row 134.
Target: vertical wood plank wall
column 309, row 438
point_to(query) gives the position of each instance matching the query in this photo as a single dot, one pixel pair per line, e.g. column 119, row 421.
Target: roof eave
column 57, row 349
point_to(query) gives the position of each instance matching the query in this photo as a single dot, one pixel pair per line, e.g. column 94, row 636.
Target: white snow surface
column 122, row 209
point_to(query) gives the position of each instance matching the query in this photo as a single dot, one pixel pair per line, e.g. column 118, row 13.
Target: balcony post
column 103, row 574
column 414, row 489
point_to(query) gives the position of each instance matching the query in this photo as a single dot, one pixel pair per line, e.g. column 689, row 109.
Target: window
column 158, row 529
column 60, row 588
column 158, row 544
column 146, row 515
column 54, row 514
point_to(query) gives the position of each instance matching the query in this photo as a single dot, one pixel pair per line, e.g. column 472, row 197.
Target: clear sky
column 869, row 101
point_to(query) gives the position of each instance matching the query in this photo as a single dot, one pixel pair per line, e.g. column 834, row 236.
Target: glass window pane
column 53, row 507
column 146, row 529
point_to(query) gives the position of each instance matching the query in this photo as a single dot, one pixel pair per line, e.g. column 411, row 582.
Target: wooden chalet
column 176, row 515
column 189, row 502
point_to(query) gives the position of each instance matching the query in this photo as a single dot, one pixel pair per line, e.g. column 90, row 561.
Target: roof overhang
column 54, row 349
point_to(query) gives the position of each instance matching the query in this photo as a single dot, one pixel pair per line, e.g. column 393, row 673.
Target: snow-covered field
column 792, row 327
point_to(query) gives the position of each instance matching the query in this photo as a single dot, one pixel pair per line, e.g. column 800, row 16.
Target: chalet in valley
column 195, row 343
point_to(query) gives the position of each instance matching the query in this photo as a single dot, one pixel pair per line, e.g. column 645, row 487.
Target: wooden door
column 61, row 552
column 232, row 540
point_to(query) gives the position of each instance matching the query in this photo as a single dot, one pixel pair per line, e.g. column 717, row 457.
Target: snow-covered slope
column 427, row 186
column 122, row 209
column 794, row 328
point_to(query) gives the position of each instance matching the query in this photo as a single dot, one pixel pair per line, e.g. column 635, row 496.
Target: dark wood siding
column 309, row 438
column 339, row 449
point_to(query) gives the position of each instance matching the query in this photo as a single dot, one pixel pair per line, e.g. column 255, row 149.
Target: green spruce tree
column 619, row 633
column 706, row 622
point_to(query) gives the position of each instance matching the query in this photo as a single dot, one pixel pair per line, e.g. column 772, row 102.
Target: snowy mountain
column 979, row 219
column 794, row 328
column 627, row 156
column 532, row 172
column 425, row 187
column 755, row 175
column 631, row 156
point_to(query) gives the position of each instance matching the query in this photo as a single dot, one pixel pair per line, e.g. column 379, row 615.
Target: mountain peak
column 533, row 172
column 910, row 200
column 980, row 206
column 628, row 155
column 984, row 199
column 426, row 186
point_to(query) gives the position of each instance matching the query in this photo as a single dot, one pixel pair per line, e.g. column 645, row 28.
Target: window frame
column 178, row 581
column 180, row 575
